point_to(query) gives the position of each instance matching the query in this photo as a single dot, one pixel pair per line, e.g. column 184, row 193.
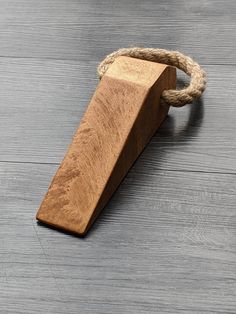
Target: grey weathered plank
column 165, row 243
column 42, row 102
column 85, row 30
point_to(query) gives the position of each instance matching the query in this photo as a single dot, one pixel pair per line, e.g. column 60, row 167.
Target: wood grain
column 120, row 120
column 58, row 29
column 165, row 243
column 39, row 97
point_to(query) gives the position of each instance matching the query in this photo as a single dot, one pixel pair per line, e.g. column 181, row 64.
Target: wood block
column 122, row 116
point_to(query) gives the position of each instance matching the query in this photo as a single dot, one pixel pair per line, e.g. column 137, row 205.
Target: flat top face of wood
column 82, row 176
column 140, row 72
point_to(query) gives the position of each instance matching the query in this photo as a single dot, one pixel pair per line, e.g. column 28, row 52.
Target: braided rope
column 175, row 98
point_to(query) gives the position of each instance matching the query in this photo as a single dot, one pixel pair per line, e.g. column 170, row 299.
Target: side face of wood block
column 122, row 116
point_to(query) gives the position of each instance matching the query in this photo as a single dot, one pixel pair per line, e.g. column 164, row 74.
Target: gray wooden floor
column 166, row 241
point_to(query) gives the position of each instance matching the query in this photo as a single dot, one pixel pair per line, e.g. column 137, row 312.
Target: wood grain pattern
column 165, row 243
column 50, row 96
column 120, row 120
column 58, row 29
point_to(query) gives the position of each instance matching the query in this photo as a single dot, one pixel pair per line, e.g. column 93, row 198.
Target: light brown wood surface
column 122, row 116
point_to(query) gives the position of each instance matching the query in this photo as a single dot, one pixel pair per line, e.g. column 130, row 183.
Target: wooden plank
column 165, row 243
column 38, row 97
column 69, row 29
column 109, row 139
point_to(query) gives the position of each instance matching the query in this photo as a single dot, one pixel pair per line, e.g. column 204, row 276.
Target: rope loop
column 172, row 97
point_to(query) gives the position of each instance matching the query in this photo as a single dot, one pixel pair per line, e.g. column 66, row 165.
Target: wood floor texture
column 166, row 242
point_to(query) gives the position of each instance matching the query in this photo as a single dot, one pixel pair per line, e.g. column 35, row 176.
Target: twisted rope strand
column 175, row 98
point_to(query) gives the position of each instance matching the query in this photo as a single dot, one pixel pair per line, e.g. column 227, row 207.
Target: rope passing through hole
column 172, row 97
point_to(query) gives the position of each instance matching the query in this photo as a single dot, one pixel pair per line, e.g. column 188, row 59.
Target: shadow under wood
column 46, row 226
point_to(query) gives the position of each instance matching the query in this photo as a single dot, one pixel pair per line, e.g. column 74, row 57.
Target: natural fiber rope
column 175, row 98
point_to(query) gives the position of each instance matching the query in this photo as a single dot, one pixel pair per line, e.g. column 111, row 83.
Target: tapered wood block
column 122, row 116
